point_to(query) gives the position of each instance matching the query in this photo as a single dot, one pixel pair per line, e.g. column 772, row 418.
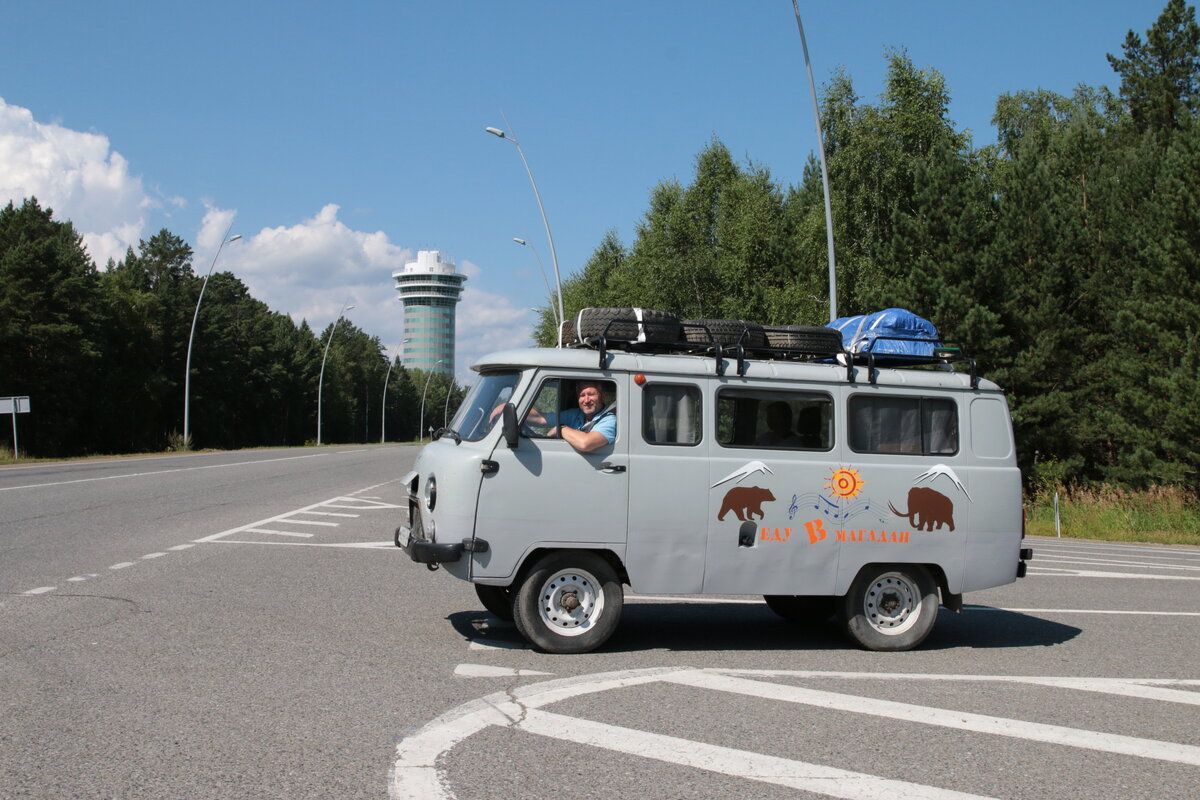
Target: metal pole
column 187, row 372
column 542, row 269
column 421, row 423
column 542, row 209
column 16, row 453
column 812, row 88
column 383, row 413
column 446, row 409
column 321, row 381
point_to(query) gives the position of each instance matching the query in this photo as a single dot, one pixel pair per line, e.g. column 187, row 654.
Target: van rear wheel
column 889, row 606
column 569, row 602
column 496, row 599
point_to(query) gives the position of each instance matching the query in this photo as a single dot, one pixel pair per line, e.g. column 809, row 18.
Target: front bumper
column 411, row 539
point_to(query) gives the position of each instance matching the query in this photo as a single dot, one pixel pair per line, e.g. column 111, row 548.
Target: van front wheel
column 496, row 599
column 889, row 607
column 569, row 602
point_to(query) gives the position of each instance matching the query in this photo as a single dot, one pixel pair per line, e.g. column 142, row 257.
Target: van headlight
column 430, row 493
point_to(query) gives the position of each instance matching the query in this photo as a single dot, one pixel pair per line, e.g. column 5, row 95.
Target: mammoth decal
column 927, row 509
column 745, row 502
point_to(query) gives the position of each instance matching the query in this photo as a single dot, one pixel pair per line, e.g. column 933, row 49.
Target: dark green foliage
column 102, row 355
column 1066, row 256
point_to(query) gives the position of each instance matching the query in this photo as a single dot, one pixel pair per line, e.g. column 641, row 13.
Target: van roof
column 702, row 365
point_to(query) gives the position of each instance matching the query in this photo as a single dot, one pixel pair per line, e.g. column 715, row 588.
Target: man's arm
column 584, row 442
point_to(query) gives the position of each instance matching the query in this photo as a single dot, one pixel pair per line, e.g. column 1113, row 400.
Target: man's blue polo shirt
column 604, row 423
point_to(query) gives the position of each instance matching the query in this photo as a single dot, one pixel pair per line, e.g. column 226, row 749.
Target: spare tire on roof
column 724, row 332
column 628, row 324
column 808, row 339
column 567, row 330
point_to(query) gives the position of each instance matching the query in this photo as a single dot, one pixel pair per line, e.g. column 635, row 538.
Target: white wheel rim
column 558, row 589
column 892, row 603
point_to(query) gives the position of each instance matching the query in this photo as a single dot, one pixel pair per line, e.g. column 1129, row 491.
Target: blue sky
column 338, row 139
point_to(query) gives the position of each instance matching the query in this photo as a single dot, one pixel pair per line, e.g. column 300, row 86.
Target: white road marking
column 350, row 545
column 486, row 671
column 156, row 472
column 329, row 514
column 1110, row 562
column 294, row 521
column 41, row 590
column 1086, row 611
column 149, row 556
column 827, row 781
column 181, row 547
column 946, row 718
column 278, row 533
column 336, row 502
column 122, row 565
column 1052, row 572
column 415, row 774
column 84, row 577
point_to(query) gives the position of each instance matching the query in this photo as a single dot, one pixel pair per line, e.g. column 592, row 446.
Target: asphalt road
column 238, row 626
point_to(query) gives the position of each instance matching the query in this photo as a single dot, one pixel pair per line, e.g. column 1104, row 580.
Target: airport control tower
column 430, row 289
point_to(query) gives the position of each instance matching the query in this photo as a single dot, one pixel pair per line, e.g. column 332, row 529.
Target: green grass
column 1160, row 514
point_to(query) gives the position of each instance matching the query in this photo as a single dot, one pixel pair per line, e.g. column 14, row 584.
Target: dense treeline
column 1065, row 256
column 102, row 353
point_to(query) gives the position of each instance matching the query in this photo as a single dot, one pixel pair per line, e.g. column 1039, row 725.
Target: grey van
column 828, row 482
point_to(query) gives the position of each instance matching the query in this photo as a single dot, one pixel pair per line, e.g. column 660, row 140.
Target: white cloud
column 77, row 175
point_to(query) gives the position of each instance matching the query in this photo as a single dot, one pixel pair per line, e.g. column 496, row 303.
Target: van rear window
column 919, row 426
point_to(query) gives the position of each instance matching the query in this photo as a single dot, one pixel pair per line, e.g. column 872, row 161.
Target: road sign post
column 14, row 406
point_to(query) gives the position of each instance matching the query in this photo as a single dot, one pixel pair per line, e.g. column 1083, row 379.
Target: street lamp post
column 549, row 291
column 187, row 372
column 812, row 88
column 421, row 424
column 383, row 411
column 542, row 209
column 321, row 381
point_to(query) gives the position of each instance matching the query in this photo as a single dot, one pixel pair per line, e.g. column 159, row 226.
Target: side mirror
column 511, row 433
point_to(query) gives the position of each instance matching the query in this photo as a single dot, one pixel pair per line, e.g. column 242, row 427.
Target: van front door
column 545, row 493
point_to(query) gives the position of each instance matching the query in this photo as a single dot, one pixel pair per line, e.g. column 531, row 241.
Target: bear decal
column 926, row 509
column 745, row 502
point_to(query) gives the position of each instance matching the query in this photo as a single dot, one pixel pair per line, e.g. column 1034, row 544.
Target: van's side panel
column 995, row 537
column 768, row 496
column 545, row 493
column 668, row 488
column 910, row 508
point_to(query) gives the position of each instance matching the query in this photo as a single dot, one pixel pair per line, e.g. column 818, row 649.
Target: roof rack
column 659, row 337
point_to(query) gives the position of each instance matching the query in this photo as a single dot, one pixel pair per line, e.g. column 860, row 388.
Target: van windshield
column 475, row 417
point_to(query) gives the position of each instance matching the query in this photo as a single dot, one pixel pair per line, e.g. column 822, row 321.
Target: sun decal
column 845, row 483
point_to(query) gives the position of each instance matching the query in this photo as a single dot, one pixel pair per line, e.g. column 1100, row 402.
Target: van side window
column 757, row 418
column 907, row 425
column 671, row 414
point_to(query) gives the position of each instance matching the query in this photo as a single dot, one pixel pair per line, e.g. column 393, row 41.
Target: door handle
column 609, row 467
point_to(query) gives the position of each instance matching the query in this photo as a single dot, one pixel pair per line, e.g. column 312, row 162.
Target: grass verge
column 1160, row 514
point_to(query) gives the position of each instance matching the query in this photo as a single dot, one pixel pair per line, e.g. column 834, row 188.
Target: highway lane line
column 330, row 514
column 156, row 472
column 294, row 521
column 84, row 577
column 945, row 718
column 122, row 565
column 181, row 547
column 277, row 533
column 1086, row 611
column 1111, row 563
column 149, row 556
column 41, row 590
column 1062, row 572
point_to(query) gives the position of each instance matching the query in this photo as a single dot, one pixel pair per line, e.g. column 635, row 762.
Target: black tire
column 496, row 599
column 568, row 332
column 628, row 324
column 806, row 609
column 806, row 339
column 889, row 607
column 724, row 332
column 548, row 624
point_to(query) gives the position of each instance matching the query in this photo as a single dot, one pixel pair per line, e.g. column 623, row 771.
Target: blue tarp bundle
column 859, row 333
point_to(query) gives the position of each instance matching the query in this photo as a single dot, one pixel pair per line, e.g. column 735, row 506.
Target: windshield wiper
column 453, row 434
